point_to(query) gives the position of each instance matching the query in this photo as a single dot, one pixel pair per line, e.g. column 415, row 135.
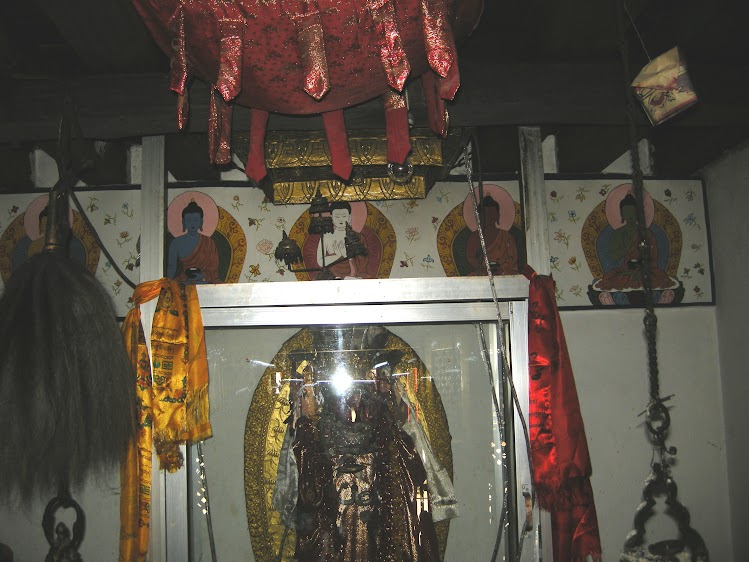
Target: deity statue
column 357, row 478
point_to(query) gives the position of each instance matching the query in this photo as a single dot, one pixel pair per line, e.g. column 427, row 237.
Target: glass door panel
column 400, row 422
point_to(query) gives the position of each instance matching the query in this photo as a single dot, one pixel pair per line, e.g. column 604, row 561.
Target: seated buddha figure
column 501, row 248
column 35, row 239
column 193, row 257
column 625, row 276
column 332, row 248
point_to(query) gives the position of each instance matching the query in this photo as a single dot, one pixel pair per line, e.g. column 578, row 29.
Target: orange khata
column 172, row 399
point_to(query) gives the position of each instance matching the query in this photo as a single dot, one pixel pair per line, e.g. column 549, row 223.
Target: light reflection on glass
column 341, row 381
column 261, row 363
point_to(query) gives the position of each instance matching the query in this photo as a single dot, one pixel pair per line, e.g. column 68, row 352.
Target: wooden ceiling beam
column 668, row 23
column 492, row 94
column 186, row 158
column 107, row 36
column 587, row 150
column 499, row 149
column 685, row 151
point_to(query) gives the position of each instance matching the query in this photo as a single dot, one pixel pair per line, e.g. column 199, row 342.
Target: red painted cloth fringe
column 561, row 462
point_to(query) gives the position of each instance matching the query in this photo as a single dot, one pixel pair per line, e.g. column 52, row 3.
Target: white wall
column 22, row 530
column 728, row 199
column 608, row 354
column 609, row 359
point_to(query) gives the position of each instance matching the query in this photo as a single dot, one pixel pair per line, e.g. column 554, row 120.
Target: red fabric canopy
column 309, row 56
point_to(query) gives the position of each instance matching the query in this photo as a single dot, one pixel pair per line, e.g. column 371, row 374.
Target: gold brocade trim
column 299, row 164
column 265, row 428
column 294, row 149
column 289, row 192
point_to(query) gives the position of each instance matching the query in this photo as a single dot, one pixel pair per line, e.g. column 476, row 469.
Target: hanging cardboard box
column 664, row 87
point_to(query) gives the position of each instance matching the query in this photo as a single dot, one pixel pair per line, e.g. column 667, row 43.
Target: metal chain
column 660, row 482
column 657, row 417
column 504, row 364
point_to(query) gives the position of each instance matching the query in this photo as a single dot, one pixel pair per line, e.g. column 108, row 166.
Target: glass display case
column 454, row 389
column 372, row 414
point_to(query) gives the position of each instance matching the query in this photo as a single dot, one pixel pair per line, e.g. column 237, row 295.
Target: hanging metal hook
column 658, row 419
column 57, row 230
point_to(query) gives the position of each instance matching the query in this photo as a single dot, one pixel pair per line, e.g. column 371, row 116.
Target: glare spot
column 341, row 381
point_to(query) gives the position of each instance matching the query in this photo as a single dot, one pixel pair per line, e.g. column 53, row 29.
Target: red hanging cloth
column 559, row 449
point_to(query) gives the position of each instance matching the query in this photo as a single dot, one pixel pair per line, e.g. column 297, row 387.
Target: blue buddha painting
column 206, row 245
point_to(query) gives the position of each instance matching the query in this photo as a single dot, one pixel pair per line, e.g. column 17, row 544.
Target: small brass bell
column 288, row 251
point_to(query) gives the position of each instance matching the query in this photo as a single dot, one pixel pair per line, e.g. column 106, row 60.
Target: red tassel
column 438, row 41
column 436, row 111
column 183, row 110
column 229, row 81
column 178, row 63
column 448, row 86
column 392, row 54
column 340, row 155
column 255, row 168
column 396, row 127
column 219, row 129
column 223, row 156
column 306, row 17
column 213, row 126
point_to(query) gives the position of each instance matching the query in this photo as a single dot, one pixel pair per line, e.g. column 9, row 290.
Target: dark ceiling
column 554, row 64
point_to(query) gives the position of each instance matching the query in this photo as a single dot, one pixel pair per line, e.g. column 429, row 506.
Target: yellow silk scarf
column 172, row 400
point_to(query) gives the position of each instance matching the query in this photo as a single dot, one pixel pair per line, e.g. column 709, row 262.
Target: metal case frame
column 386, row 301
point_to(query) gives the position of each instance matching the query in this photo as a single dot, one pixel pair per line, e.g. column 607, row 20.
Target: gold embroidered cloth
column 172, row 394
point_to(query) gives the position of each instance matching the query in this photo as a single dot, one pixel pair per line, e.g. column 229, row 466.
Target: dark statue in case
column 357, row 478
